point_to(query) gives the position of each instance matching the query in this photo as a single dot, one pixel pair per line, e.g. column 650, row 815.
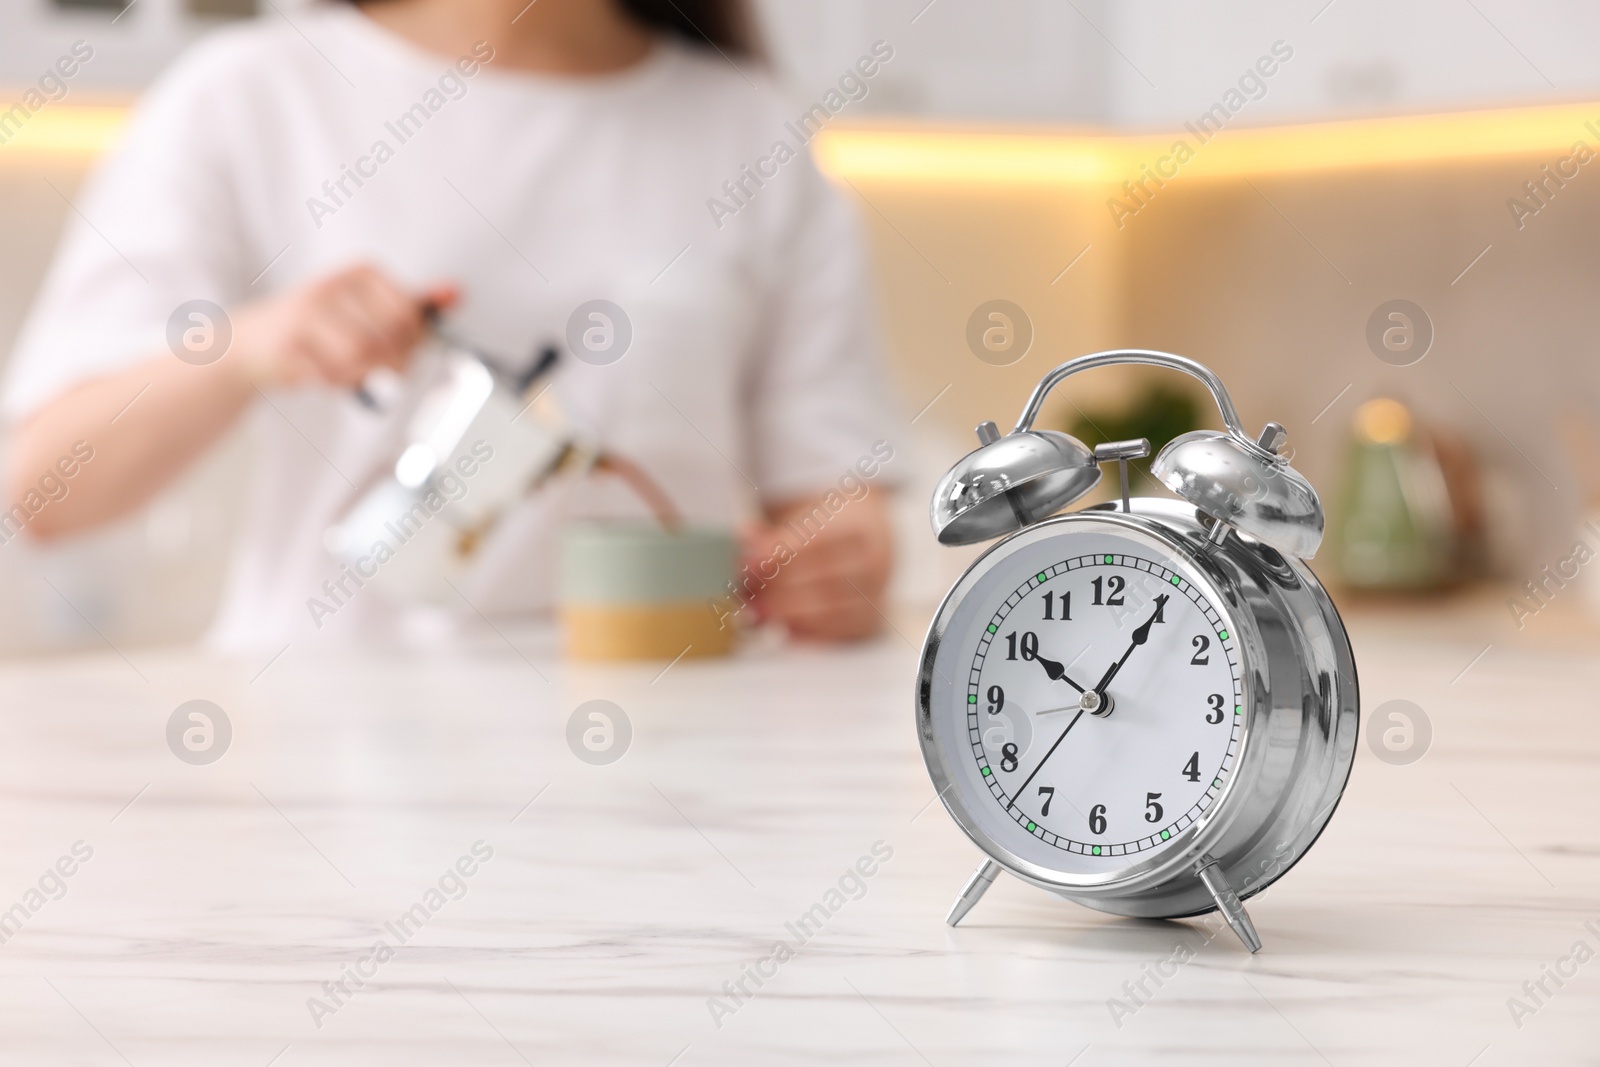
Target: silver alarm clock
column 1148, row 707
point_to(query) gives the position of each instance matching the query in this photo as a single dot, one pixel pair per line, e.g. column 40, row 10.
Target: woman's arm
column 149, row 422
column 179, row 411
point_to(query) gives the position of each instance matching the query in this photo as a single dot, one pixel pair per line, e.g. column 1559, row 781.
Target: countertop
column 607, row 905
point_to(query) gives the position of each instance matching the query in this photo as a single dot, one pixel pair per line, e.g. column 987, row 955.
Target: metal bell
column 1009, row 482
column 1028, row 474
column 1246, row 485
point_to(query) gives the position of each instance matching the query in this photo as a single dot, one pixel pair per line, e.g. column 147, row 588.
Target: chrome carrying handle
column 1146, row 357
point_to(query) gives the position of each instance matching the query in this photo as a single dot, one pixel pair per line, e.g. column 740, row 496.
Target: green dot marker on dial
column 987, row 772
column 1097, row 850
column 1041, row 576
column 993, row 627
column 1223, row 635
column 1030, row 828
column 972, row 698
column 1108, row 560
column 1174, row 579
column 1165, row 835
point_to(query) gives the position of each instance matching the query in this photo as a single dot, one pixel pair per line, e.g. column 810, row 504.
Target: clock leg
column 1228, row 903
column 975, row 888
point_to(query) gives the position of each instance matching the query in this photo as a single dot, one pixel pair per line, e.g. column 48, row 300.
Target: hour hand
column 1056, row 671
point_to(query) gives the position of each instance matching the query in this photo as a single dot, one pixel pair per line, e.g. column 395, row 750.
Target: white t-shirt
column 755, row 355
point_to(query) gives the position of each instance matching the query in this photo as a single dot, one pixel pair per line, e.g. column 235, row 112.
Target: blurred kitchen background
column 1457, row 446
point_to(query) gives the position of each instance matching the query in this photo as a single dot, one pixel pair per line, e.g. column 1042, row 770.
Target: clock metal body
column 1148, row 707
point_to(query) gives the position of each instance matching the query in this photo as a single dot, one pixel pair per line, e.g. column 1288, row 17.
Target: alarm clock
column 1149, row 706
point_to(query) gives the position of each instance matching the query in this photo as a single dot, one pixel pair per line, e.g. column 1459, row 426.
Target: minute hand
column 1040, row 765
column 1140, row 636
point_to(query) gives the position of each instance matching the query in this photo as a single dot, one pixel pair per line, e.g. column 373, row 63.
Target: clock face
column 1088, row 696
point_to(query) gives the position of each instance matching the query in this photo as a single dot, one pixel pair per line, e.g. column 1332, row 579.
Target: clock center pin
column 1096, row 704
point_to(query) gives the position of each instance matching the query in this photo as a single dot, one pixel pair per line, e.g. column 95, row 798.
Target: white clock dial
column 1126, row 623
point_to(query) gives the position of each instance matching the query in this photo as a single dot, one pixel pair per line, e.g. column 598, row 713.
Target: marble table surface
column 212, row 909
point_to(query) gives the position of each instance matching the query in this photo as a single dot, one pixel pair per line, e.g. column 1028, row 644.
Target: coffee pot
column 478, row 440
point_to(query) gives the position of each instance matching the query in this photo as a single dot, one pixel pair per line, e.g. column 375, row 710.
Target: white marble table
column 220, row 898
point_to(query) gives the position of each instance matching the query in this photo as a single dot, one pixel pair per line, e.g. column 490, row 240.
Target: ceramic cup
column 637, row 591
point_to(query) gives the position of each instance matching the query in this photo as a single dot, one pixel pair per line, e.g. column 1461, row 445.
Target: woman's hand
column 825, row 572
column 148, row 421
column 333, row 331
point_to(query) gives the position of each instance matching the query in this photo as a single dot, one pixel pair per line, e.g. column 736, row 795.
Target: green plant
column 1158, row 412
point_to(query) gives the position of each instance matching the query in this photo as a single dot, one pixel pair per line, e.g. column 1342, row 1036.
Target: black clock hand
column 1047, row 755
column 1140, row 636
column 1056, row 671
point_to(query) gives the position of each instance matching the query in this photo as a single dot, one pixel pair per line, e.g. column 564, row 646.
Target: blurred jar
column 1398, row 525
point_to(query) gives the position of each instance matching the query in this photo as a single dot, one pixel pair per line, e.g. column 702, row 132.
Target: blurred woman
column 330, row 175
